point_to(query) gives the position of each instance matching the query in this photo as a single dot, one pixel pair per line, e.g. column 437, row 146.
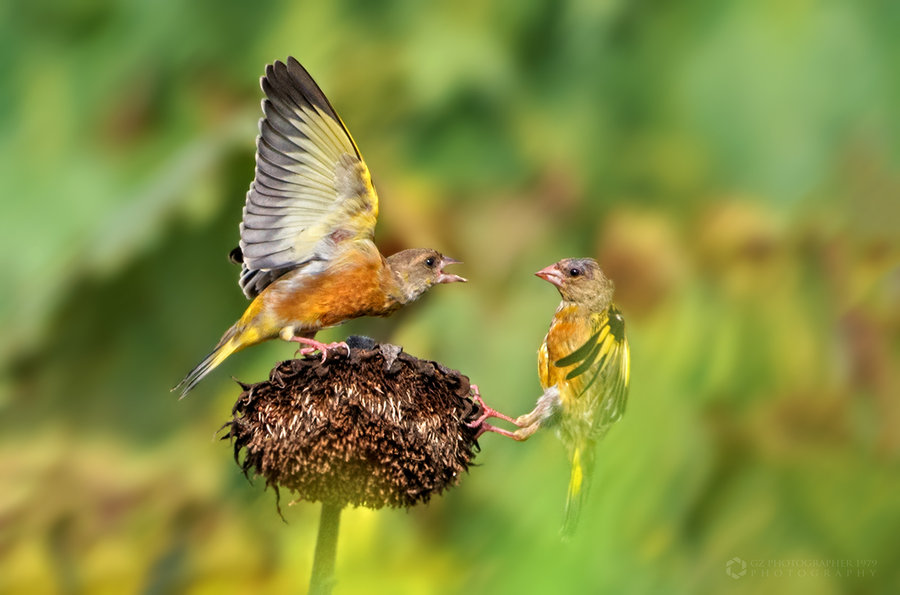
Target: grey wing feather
column 310, row 182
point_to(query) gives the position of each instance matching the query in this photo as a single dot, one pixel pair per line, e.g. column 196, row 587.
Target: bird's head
column 579, row 280
column 419, row 269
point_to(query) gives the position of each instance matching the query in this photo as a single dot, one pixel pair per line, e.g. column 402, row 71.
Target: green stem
column 322, row 579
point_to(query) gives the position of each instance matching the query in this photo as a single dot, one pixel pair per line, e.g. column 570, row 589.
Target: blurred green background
column 733, row 166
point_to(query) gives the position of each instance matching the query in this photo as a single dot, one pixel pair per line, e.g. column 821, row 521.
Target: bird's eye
column 429, row 262
column 574, row 272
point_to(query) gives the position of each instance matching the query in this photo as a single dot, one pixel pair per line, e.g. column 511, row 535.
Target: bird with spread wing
column 307, row 257
column 584, row 367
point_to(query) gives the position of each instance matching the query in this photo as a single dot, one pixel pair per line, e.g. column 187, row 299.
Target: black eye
column 429, row 262
column 574, row 272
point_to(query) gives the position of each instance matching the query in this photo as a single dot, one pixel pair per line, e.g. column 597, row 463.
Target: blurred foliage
column 733, row 165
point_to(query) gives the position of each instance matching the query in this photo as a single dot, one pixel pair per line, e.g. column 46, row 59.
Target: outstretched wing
column 312, row 190
column 602, row 367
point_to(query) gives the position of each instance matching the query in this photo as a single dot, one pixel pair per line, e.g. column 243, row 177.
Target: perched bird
column 584, row 366
column 307, row 257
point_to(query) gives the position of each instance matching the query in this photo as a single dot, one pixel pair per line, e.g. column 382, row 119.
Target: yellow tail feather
column 233, row 340
column 575, row 494
column 582, row 459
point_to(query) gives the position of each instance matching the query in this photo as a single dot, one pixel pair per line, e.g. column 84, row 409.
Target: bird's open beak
column 444, row 277
column 551, row 274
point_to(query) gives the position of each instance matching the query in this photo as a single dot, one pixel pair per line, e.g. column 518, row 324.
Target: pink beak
column 444, row 277
column 551, row 274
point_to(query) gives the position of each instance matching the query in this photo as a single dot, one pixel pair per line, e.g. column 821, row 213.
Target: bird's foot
column 486, row 412
column 313, row 346
column 486, row 427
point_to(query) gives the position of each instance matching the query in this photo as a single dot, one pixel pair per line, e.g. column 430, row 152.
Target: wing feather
column 310, row 182
column 601, row 368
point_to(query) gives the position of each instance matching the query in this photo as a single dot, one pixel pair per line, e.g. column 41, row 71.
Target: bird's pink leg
column 312, row 346
column 486, row 427
column 487, row 412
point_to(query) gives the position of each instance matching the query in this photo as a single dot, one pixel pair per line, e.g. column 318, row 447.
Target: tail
column 579, row 482
column 233, row 340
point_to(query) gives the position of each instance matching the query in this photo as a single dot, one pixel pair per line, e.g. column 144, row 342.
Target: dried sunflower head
column 377, row 427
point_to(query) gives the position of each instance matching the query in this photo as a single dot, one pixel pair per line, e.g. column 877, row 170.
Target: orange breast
column 568, row 331
column 356, row 287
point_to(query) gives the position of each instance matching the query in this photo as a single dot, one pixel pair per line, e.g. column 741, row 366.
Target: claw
column 313, row 346
column 487, row 413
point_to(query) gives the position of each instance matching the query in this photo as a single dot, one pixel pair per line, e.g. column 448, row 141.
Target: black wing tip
column 290, row 85
column 291, row 74
column 286, row 80
column 616, row 323
column 297, row 70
